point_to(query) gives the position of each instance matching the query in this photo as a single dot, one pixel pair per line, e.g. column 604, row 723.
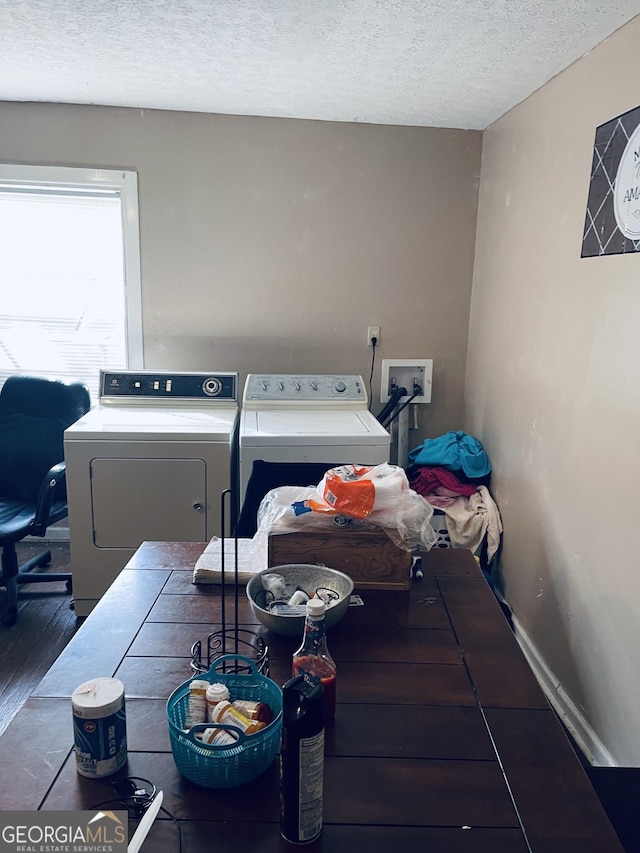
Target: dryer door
column 134, row 500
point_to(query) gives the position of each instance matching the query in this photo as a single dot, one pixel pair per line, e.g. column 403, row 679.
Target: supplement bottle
column 197, row 707
column 218, row 737
column 253, row 710
column 99, row 727
column 216, row 692
column 224, row 712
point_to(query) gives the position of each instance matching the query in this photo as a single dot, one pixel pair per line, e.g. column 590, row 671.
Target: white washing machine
column 149, row 462
column 316, row 418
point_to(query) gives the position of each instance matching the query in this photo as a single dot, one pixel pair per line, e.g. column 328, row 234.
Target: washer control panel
column 271, row 389
column 148, row 385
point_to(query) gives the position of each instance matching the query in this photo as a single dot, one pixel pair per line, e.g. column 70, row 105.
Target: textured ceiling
column 445, row 63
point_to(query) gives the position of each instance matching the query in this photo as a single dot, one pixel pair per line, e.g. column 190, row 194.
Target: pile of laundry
column 452, row 473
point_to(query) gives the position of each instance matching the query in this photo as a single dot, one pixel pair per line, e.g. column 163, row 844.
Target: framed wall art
column 612, row 222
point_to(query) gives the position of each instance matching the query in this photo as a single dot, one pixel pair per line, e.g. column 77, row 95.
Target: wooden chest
column 370, row 558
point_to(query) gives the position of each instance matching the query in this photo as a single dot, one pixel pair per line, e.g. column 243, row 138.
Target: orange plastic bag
column 347, row 490
column 353, row 497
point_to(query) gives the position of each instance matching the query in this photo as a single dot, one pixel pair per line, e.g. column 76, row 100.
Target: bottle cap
column 316, row 607
column 216, row 692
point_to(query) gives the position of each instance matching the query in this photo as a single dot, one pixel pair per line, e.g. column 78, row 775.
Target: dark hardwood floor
column 46, row 623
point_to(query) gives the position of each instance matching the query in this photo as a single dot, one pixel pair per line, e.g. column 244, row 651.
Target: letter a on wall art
column 612, row 223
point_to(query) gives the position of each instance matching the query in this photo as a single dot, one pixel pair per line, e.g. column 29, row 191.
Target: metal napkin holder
column 229, row 638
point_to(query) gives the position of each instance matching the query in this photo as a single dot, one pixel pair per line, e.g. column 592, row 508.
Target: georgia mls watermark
column 64, row 832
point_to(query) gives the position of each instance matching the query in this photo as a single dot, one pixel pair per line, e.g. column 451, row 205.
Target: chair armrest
column 48, row 488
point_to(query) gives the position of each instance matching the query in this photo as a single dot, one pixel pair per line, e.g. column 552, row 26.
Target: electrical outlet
column 373, row 332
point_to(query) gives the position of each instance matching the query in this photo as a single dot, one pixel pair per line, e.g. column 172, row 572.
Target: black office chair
column 34, row 413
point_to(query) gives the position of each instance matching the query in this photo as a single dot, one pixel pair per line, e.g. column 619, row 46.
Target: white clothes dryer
column 307, row 418
column 149, row 462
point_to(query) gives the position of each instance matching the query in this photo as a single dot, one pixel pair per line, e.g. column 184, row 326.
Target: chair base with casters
column 18, row 519
column 34, row 413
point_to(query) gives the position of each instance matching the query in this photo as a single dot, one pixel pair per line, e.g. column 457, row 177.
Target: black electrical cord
column 374, row 343
column 137, row 799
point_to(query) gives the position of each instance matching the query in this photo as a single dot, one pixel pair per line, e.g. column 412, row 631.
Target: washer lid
column 143, row 423
column 304, row 427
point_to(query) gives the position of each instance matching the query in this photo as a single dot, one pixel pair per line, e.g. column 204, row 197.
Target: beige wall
column 271, row 244
column 553, row 391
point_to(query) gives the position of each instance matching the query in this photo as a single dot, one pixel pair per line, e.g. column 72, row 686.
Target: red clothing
column 427, row 480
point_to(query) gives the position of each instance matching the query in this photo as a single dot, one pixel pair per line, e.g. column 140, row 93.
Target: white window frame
column 125, row 183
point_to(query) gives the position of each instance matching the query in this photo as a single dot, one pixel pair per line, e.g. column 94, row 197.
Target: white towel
column 494, row 523
column 468, row 519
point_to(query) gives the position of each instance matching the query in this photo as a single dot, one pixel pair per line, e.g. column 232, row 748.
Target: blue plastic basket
column 226, row 766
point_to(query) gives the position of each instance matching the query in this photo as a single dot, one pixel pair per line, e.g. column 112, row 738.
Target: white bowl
column 300, row 576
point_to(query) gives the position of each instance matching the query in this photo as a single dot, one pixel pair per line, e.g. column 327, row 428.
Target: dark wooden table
column 443, row 741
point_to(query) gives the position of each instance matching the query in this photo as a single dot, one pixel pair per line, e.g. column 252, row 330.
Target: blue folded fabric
column 454, row 450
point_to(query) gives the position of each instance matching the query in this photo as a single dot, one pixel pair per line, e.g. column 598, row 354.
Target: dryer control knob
column 198, row 506
column 212, row 386
column 339, row 386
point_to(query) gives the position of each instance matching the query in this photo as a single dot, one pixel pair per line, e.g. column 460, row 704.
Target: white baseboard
column 588, row 741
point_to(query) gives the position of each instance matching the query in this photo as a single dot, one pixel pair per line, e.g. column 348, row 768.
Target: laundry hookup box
column 370, row 558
